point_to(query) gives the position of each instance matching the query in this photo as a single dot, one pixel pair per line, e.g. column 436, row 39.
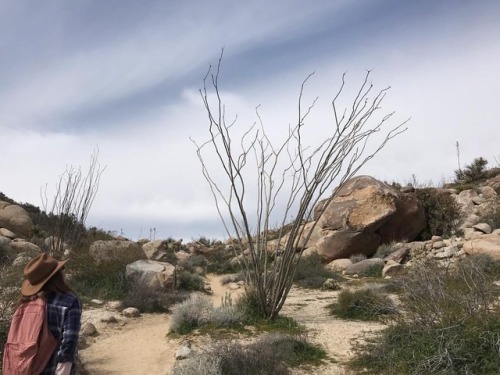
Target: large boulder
column 151, row 274
column 116, row 249
column 406, row 223
column 488, row 244
column 363, row 214
column 494, row 183
column 16, row 219
column 155, row 250
column 363, row 203
column 343, row 244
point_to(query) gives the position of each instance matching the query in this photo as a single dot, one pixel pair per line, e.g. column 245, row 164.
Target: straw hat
column 38, row 271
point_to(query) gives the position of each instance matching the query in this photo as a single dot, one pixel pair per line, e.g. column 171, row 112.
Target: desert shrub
column 219, row 262
column 312, row 273
column 450, row 323
column 473, row 172
column 442, row 213
column 189, row 281
column 226, row 316
column 357, row 258
column 362, row 304
column 191, row 314
column 194, row 261
column 103, row 280
column 374, row 270
column 270, row 355
column 152, row 300
column 385, row 250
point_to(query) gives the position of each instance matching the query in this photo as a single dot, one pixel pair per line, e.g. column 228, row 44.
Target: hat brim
column 28, row 289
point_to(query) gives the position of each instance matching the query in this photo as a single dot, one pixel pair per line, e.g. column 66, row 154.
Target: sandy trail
column 141, row 345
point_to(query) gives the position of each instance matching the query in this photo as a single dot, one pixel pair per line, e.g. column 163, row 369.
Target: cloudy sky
column 123, row 76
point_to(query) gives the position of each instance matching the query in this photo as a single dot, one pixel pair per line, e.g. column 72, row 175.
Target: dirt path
column 141, row 346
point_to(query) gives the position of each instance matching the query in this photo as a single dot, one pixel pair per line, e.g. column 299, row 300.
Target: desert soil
column 141, row 345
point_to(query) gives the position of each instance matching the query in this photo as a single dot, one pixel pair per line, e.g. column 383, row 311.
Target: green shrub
column 472, row 173
column 442, row 213
column 152, row 300
column 362, row 304
column 219, row 262
column 104, row 280
column 312, row 273
column 189, row 281
column 450, row 324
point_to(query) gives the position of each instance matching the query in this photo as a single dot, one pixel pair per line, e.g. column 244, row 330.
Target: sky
column 123, row 77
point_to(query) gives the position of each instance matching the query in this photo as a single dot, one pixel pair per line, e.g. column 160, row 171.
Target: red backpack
column 30, row 344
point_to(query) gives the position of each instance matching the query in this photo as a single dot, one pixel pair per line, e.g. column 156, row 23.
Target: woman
column 45, row 278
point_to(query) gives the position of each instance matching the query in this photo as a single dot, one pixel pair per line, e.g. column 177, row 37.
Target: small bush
column 442, row 213
column 219, row 262
column 450, row 324
column 270, row 355
column 191, row 314
column 151, row 300
column 105, row 280
column 311, row 273
column 189, row 281
column 472, row 173
column 362, row 304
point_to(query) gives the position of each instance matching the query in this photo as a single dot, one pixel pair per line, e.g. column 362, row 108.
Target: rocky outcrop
column 363, row 214
column 488, row 244
column 494, row 183
column 116, row 249
column 155, row 250
column 16, row 219
column 151, row 274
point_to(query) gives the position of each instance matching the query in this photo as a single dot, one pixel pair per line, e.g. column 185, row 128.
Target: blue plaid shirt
column 64, row 312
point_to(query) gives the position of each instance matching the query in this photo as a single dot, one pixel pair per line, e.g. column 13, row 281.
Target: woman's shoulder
column 63, row 299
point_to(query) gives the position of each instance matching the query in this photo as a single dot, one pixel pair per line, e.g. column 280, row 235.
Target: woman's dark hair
column 57, row 284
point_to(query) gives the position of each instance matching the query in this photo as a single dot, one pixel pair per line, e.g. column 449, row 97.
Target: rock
column 483, row 227
column 406, row 223
column 97, row 302
column 464, row 198
column 487, row 244
column 365, row 267
column 4, row 232
column 233, row 286
column 363, row 203
column 343, row 244
column 184, row 351
column 16, row 219
column 115, row 305
column 447, row 253
column 470, row 220
column 438, row 244
column 21, row 260
column 478, row 200
column 156, row 250
column 88, row 329
column 339, row 265
column 399, row 256
column 109, row 318
column 494, row 183
column 151, row 274
column 25, row 247
column 488, row 192
column 131, row 312
column 471, row 234
column 393, row 269
column 115, row 249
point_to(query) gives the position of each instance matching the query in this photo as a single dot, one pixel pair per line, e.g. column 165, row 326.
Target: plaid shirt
column 64, row 313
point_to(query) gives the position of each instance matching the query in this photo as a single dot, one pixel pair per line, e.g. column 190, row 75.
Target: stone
column 115, row 305
column 109, row 318
column 483, row 227
column 184, row 351
column 4, row 232
column 155, row 250
column 438, row 244
column 16, row 219
column 88, row 329
column 399, row 256
column 116, row 249
column 339, row 265
column 344, row 244
column 488, row 192
column 494, row 183
column 25, row 247
column 393, row 269
column 471, row 233
column 151, row 274
column 97, row 302
column 488, row 244
column 364, row 267
column 131, row 312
